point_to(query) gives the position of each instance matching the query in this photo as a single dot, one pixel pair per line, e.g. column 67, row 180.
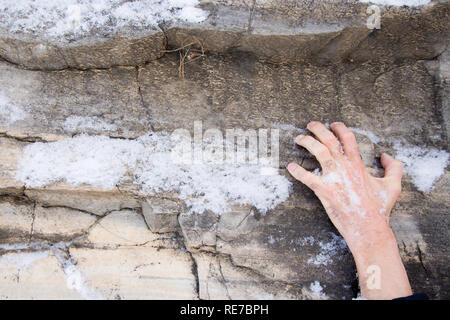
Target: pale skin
column 359, row 205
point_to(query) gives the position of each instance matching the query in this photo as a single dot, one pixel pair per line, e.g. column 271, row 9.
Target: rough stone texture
column 443, row 75
column 220, row 279
column 378, row 100
column 40, row 277
column 11, row 151
column 86, row 54
column 60, row 222
column 161, row 214
column 138, row 272
column 16, row 218
column 49, row 98
column 277, row 248
column 278, row 31
column 123, row 227
column 83, row 198
column 392, row 82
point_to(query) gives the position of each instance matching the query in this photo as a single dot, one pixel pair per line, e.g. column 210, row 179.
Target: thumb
column 393, row 170
column 392, row 167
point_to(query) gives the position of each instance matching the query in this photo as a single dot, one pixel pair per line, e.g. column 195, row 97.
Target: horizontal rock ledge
column 272, row 32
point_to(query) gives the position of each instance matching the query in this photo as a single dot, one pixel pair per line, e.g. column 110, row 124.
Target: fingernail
column 311, row 123
column 299, row 137
column 292, row 166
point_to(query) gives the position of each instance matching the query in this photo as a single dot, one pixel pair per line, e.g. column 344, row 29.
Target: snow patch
column 76, row 281
column 68, row 18
column 316, row 289
column 328, row 250
column 98, row 161
column 398, row 3
column 424, row 165
column 104, row 162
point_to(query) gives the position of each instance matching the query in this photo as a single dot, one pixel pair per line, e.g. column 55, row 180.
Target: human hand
column 357, row 203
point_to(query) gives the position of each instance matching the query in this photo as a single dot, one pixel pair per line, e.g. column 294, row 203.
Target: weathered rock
column 87, row 53
column 33, row 275
column 239, row 221
column 60, row 223
column 125, row 227
column 161, row 215
column 85, row 198
column 442, row 76
column 16, row 219
column 219, row 279
column 138, row 272
column 9, row 158
column 60, row 104
column 307, row 237
column 121, row 243
column 199, row 230
column 283, row 32
column 381, row 98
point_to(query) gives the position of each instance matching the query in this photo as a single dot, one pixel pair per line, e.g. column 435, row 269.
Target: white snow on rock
column 98, row 161
column 75, row 280
column 328, row 250
column 316, row 289
column 85, row 124
column 59, row 18
column 398, row 3
column 424, row 165
column 104, row 162
column 10, row 112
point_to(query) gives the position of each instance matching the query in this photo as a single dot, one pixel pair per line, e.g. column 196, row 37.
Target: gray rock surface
column 250, row 65
column 278, row 31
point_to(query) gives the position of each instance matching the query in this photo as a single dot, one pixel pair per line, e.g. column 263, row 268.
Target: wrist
column 374, row 244
column 380, row 268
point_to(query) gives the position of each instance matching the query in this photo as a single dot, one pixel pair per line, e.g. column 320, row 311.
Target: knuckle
column 330, row 141
column 323, row 153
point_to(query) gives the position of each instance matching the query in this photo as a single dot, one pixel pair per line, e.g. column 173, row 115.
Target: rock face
column 249, row 65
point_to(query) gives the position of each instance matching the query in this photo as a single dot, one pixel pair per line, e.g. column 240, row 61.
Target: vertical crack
column 74, row 278
column 420, row 254
column 32, row 222
column 194, row 270
column 141, row 98
column 250, row 18
column 224, row 282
